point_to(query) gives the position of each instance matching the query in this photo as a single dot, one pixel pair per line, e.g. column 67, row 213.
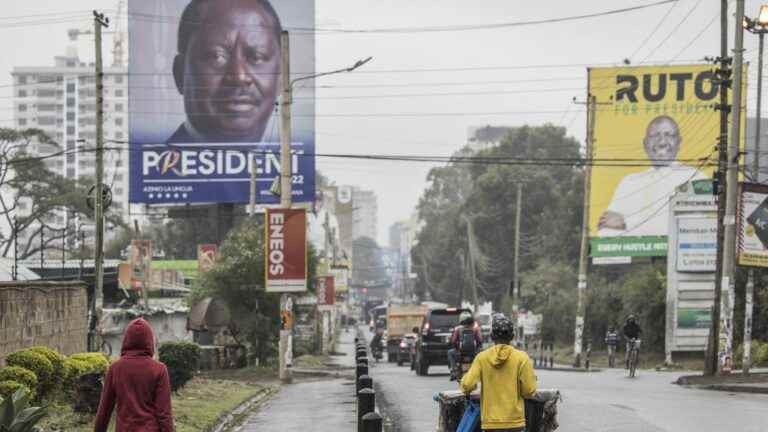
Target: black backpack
column 467, row 342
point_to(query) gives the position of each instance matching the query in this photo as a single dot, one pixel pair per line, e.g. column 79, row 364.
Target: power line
column 432, row 29
column 653, row 32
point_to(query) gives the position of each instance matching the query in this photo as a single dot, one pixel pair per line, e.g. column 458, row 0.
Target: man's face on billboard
column 231, row 71
column 662, row 141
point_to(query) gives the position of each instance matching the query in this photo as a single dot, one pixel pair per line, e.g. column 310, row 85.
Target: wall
column 168, row 325
column 49, row 313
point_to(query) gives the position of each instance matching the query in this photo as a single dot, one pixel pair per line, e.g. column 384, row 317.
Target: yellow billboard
column 655, row 128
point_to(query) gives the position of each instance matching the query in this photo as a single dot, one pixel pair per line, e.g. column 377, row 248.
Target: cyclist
column 465, row 340
column 507, row 377
column 611, row 340
column 632, row 331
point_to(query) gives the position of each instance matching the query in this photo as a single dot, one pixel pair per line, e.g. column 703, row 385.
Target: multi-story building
column 364, row 214
column 61, row 100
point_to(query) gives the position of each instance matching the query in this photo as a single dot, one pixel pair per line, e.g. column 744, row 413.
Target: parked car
column 434, row 338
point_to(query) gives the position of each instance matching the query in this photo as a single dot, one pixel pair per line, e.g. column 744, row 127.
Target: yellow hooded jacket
column 507, row 377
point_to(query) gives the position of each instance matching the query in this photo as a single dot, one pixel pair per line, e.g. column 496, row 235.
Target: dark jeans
column 453, row 357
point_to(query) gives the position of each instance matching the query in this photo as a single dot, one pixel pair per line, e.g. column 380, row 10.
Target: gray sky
column 482, row 90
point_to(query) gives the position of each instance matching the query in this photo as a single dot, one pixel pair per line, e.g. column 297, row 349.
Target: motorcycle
column 377, row 350
column 463, row 363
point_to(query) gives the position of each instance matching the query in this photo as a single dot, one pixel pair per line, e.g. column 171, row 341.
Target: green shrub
column 8, row 388
column 35, row 362
column 81, row 364
column 181, row 358
column 57, row 361
column 20, row 375
column 759, row 353
column 94, row 359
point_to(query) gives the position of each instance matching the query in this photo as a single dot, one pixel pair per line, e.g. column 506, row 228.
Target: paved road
column 602, row 401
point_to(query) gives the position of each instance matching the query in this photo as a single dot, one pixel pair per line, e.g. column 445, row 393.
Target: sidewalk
column 319, row 405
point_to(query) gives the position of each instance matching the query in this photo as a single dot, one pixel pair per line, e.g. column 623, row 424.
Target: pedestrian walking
column 611, row 341
column 138, row 384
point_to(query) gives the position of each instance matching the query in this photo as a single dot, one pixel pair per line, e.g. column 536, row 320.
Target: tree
column 367, row 263
column 28, row 183
column 482, row 195
column 238, row 279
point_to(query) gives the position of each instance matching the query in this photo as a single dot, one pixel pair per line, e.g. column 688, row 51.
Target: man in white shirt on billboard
column 639, row 202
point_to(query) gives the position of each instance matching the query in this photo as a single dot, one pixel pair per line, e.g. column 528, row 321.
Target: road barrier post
column 364, row 381
column 366, row 403
column 372, row 422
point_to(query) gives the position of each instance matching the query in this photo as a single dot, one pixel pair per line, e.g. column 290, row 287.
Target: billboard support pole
column 584, row 255
column 732, row 173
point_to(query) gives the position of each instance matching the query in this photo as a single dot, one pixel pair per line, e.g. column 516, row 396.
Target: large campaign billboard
column 204, row 87
column 752, row 225
column 655, row 129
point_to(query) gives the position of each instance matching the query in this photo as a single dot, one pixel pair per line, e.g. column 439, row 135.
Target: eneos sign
column 285, row 250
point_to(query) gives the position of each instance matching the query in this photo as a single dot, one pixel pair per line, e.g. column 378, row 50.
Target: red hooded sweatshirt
column 138, row 384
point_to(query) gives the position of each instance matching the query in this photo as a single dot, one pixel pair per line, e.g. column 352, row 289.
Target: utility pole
column 99, row 21
column 285, row 349
column 755, row 26
column 710, row 361
column 516, row 280
column 286, row 172
column 15, row 271
column 584, row 255
column 732, row 178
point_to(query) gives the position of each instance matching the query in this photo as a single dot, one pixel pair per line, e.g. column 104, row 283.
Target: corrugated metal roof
column 23, row 273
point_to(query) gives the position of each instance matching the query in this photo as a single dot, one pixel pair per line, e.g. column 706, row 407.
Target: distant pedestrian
column 138, row 384
column 611, row 341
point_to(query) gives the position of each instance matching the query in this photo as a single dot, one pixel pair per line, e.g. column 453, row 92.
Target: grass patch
column 311, row 361
column 196, row 407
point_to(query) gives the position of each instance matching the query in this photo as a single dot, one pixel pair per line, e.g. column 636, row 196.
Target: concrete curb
column 325, row 373
column 569, row 369
column 735, row 388
column 231, row 419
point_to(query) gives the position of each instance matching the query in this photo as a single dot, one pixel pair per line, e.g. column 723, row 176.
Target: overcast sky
column 495, row 78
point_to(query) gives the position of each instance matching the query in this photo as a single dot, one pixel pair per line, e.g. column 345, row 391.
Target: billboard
column 326, row 294
column 206, row 257
column 696, row 244
column 655, row 128
column 285, row 250
column 752, row 225
column 204, row 83
column 140, row 260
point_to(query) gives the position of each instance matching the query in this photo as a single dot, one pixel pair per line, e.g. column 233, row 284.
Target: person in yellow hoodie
column 506, row 375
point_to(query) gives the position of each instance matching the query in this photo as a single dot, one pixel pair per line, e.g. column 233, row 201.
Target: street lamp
column 758, row 26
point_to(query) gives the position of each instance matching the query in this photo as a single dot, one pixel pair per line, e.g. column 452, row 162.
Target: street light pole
column 285, row 350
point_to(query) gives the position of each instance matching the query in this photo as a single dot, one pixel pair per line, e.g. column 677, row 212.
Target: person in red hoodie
column 138, row 384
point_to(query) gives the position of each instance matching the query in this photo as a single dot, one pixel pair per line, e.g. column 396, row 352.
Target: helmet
column 466, row 318
column 631, row 318
column 502, row 328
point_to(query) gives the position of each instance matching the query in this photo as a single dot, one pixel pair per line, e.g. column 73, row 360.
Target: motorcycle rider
column 466, row 340
column 376, row 342
column 631, row 330
column 611, row 340
column 507, row 377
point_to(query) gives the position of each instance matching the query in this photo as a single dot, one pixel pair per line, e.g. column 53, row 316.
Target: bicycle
column 633, row 357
